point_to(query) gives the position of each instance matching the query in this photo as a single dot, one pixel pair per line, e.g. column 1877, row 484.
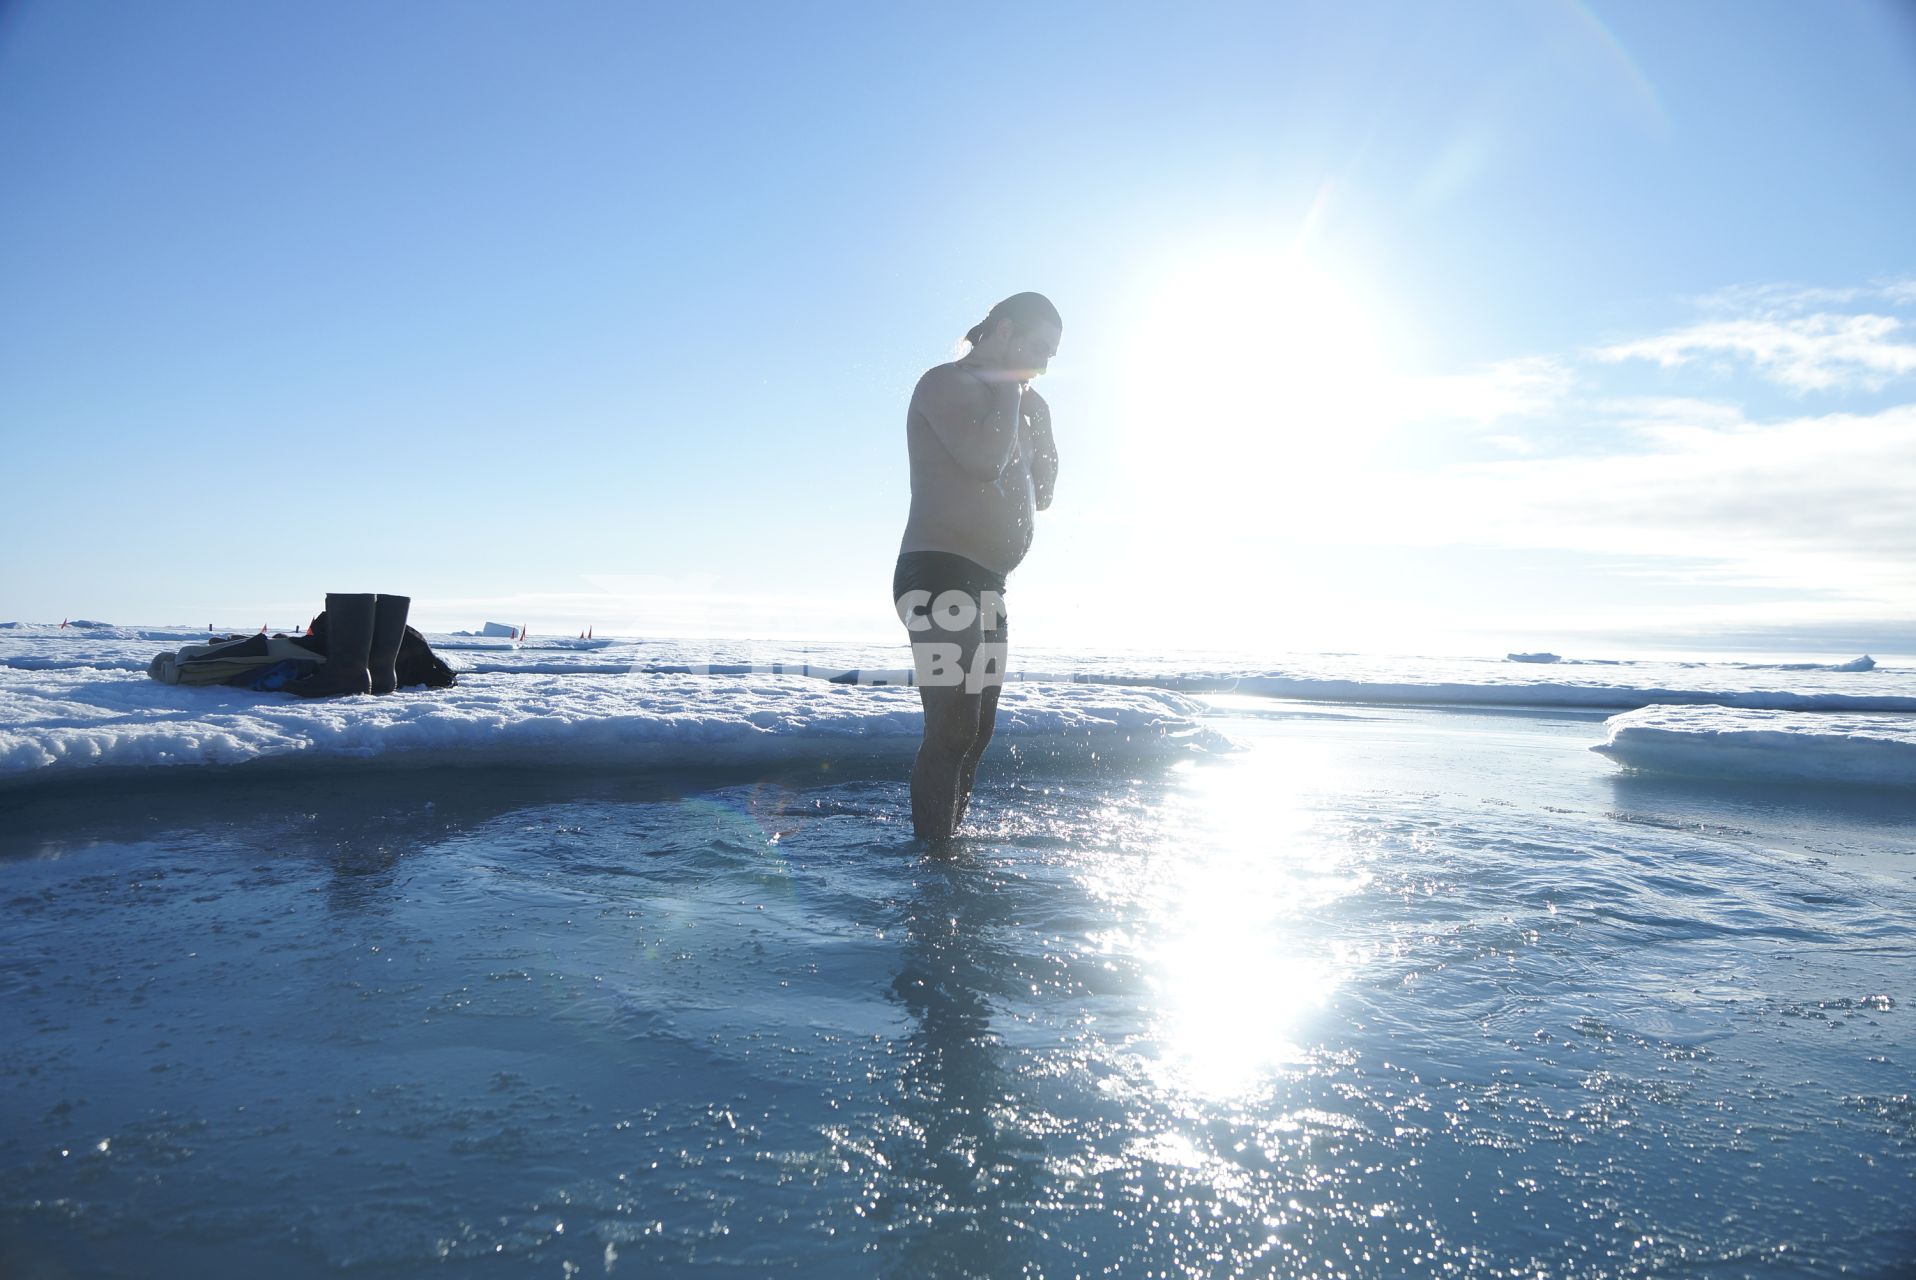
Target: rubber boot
column 389, row 629
column 349, row 639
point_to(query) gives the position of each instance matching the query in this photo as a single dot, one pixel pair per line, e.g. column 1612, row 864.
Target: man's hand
column 1033, row 406
column 1040, row 448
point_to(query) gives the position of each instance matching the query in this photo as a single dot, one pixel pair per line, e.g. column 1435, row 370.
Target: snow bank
column 58, row 724
column 1379, row 687
column 1864, row 663
column 1606, row 684
column 1551, row 693
column 1878, row 750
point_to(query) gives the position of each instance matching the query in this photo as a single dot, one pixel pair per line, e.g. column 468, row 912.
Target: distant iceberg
column 1720, row 742
column 1532, row 657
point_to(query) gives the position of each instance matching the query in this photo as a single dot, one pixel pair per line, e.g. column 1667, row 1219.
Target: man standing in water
column 982, row 465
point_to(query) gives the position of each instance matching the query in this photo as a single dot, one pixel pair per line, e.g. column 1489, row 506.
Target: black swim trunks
column 948, row 600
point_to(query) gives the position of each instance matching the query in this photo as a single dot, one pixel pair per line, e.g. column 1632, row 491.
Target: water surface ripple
column 1390, row 994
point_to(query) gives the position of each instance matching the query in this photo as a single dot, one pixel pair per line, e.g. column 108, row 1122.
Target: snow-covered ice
column 77, row 698
column 1719, row 742
column 62, row 723
column 1619, row 684
column 1717, row 686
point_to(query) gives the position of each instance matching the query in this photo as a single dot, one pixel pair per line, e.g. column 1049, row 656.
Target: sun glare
column 1240, row 959
column 1254, row 365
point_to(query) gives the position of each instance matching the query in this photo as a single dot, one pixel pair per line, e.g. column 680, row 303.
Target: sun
column 1250, row 363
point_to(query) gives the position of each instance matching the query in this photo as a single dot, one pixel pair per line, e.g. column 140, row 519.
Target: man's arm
column 976, row 421
column 1043, row 451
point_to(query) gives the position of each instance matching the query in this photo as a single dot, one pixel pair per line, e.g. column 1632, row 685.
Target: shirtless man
column 982, row 465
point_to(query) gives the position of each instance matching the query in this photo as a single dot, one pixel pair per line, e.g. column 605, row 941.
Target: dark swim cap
column 1022, row 309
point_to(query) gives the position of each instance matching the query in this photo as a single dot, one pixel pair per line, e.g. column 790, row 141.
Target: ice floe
column 1719, row 742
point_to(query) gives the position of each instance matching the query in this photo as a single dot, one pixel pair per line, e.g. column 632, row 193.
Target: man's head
column 1019, row 334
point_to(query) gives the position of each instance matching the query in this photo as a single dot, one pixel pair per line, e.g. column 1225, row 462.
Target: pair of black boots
column 363, row 633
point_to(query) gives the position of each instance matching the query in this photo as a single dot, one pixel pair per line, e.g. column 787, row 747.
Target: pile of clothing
column 358, row 644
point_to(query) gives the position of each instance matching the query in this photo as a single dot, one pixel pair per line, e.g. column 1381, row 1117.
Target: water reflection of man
column 982, row 465
column 966, row 1173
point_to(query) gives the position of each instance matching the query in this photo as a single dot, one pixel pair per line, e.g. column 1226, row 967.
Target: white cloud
column 1673, row 512
column 1807, row 353
column 1773, row 300
column 1671, row 419
column 1523, row 387
column 1813, row 504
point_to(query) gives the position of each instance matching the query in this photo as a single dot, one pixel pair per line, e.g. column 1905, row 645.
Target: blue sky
column 1386, row 326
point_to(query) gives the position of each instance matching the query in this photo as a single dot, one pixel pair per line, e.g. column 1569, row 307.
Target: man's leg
column 951, row 731
column 987, row 720
column 988, row 664
column 959, row 661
